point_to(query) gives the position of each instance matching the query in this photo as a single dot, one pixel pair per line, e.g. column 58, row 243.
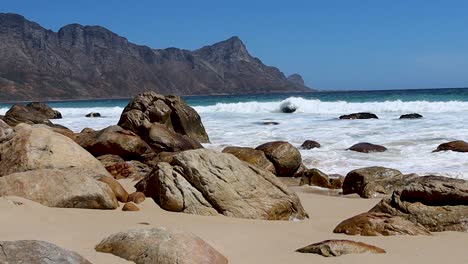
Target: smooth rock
column 252, row 156
column 335, row 248
column 92, row 114
column 379, row 224
column 45, row 110
column 284, row 156
column 362, row 115
column 120, row 193
column 367, row 148
column 130, row 207
column 411, row 116
column 37, row 252
column 162, row 139
column 457, row 146
column 136, row 197
column 22, row 114
column 310, row 144
column 162, row 246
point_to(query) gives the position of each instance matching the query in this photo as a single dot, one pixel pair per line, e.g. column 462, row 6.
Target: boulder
column 252, row 156
column 367, row 148
column 171, row 111
column 372, row 182
column 310, row 144
column 121, row 169
column 130, row 207
column 120, row 193
column 6, row 132
column 92, row 114
column 288, row 108
column 457, row 146
column 45, row 110
column 335, row 248
column 379, row 224
column 59, row 129
column 411, row 116
column 33, row 148
column 66, row 188
column 207, row 182
column 162, row 246
column 114, row 140
column 162, row 139
column 37, row 252
column 362, row 115
column 136, row 197
column 284, row 156
column 22, row 114
column 437, row 203
column 316, row 177
column 87, row 130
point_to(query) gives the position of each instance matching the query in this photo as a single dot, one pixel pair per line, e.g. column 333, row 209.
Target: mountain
column 79, row 62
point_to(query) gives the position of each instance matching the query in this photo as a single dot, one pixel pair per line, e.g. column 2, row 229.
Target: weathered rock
column 138, row 170
column 130, row 207
column 37, row 252
column 120, row 193
column 362, row 115
column 207, row 182
column 437, row 203
column 171, row 111
column 92, row 114
column 33, row 148
column 284, row 156
column 45, row 110
column 59, row 129
column 114, row 140
column 310, row 144
column 160, row 138
column 136, row 197
column 379, row 224
column 252, row 156
column 110, row 159
column 411, row 116
column 67, row 188
column 372, row 182
column 316, row 177
column 367, row 148
column 121, row 169
column 22, row 114
column 87, row 130
column 457, row 146
column 6, row 132
column 162, row 246
column 335, row 248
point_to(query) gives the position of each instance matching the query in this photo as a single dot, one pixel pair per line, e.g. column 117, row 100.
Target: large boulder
column 37, row 252
column 365, row 147
column 33, row 148
column 284, row 156
column 6, row 132
column 114, row 140
column 335, row 248
column 67, row 188
column 45, row 110
column 457, row 146
column 22, row 114
column 437, row 203
column 149, row 108
column 373, row 182
column 362, row 115
column 207, row 182
column 162, row 139
column 379, row 224
column 162, row 246
column 252, row 156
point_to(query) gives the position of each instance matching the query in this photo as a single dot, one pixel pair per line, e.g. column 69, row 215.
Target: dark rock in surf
column 92, row 114
column 457, row 146
column 363, row 115
column 310, row 144
column 367, row 148
column 288, row 108
column 411, row 116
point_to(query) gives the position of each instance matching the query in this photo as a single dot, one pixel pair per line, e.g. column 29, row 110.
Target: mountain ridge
column 86, row 62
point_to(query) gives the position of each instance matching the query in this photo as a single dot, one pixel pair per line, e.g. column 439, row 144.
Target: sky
column 333, row 44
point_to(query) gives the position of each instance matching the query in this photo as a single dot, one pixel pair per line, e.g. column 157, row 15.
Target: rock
column 161, row 139
column 22, row 114
column 6, row 132
column 33, row 148
column 367, row 148
column 136, row 197
column 130, row 207
column 411, row 116
column 66, row 188
column 87, row 130
column 379, row 224
column 138, row 170
column 310, row 144
column 288, row 107
column 121, row 169
column 437, row 203
column 37, row 252
column 170, row 111
column 120, row 193
column 335, row 248
column 59, row 129
column 252, row 156
column 45, row 110
column 207, row 182
column 284, row 156
column 92, row 114
column 316, row 177
column 457, row 146
column 269, row 123
column 110, row 159
column 372, row 182
column 114, row 140
column 162, row 246
column 362, row 115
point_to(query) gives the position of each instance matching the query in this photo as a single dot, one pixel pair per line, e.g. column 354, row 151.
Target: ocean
column 238, row 120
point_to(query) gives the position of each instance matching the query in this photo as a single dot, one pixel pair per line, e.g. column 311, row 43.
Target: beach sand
column 240, row 240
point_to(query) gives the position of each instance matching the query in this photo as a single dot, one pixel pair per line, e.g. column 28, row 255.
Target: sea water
column 238, row 120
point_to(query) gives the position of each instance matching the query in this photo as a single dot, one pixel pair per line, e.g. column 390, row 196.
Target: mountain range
column 84, row 62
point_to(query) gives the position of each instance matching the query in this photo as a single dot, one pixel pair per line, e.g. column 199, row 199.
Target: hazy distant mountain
column 93, row 62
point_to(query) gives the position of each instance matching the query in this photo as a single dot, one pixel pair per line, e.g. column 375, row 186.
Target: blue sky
column 333, row 44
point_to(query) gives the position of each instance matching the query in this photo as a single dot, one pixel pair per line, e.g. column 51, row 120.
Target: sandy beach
column 240, row 240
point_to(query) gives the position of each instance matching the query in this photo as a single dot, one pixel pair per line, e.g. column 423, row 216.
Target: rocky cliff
column 92, row 62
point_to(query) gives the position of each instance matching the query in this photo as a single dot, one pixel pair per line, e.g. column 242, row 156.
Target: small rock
column 120, row 193
column 457, row 146
column 136, row 197
column 92, row 114
column 316, row 177
column 310, row 144
column 411, row 116
column 87, row 130
column 335, row 248
column 270, row 123
column 362, row 115
column 367, row 148
column 130, row 207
